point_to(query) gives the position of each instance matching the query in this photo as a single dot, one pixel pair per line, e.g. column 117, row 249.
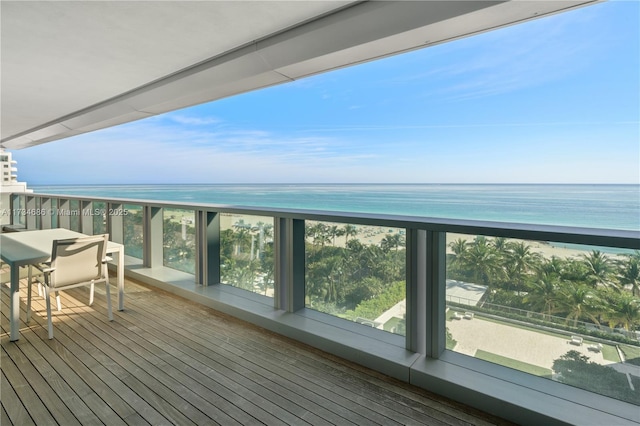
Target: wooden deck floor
column 166, row 360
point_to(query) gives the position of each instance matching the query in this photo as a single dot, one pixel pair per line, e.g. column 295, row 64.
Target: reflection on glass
column 357, row 273
column 74, row 215
column 563, row 313
column 133, row 236
column 99, row 216
column 54, row 212
column 179, row 240
column 246, row 252
column 19, row 205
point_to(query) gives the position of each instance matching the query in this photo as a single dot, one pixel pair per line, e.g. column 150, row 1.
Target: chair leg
column 91, row 294
column 47, row 296
column 108, row 292
column 29, row 296
column 58, row 301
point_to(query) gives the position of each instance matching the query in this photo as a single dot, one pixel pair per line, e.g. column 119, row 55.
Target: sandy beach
column 375, row 234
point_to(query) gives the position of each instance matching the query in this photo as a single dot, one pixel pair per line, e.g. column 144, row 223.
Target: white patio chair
column 576, row 340
column 74, row 262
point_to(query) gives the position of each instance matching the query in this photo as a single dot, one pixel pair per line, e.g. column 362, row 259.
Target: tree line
column 593, row 287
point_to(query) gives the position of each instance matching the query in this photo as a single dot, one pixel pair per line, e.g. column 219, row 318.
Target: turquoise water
column 592, row 206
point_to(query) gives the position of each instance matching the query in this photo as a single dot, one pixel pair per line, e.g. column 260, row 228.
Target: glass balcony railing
column 357, row 273
column 133, row 233
column 557, row 303
column 569, row 314
column 74, row 215
column 98, row 213
column 246, row 252
column 179, row 239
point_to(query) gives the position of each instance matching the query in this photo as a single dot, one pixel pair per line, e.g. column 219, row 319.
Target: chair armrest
column 43, row 267
column 107, row 259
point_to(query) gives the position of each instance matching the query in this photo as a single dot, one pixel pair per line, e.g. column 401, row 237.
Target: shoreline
column 374, row 235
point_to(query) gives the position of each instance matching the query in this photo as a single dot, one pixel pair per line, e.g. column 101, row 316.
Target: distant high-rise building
column 8, row 184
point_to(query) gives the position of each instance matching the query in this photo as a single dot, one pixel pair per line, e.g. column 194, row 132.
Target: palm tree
column 482, row 261
column 579, row 301
column 242, row 237
column 322, row 239
column 600, row 269
column 458, row 247
column 315, row 230
column 349, row 231
column 501, row 244
column 334, row 231
column 391, row 241
column 555, row 265
column 624, row 310
column 629, row 272
column 520, row 262
column 543, row 293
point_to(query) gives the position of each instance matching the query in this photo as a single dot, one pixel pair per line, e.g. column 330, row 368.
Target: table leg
column 14, row 304
column 121, row 279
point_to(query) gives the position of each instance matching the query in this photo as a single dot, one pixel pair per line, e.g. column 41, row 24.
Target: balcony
column 167, row 360
column 261, row 266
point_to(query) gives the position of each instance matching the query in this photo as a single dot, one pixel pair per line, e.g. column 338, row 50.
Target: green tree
column 349, row 231
column 334, row 231
column 482, row 262
column 543, row 293
column 578, row 301
column 628, row 272
column 242, row 239
column 520, row 262
column 624, row 309
column 391, row 242
column 599, row 269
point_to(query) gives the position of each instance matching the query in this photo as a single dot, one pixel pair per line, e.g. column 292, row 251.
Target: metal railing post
column 436, row 291
column 416, row 314
column 289, row 253
column 45, row 213
column 152, row 253
column 207, row 247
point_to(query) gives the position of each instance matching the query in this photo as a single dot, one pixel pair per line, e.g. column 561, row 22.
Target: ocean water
column 591, row 206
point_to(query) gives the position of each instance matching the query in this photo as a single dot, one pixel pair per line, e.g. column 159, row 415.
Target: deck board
column 168, row 360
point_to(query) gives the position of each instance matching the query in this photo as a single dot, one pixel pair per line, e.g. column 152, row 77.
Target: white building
column 8, row 184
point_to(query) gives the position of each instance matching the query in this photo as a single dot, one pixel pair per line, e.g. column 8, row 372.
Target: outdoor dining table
column 30, row 247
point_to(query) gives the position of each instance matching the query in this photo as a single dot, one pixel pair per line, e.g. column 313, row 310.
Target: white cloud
column 192, row 120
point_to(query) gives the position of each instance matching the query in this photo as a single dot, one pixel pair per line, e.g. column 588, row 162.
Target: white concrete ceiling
column 69, row 67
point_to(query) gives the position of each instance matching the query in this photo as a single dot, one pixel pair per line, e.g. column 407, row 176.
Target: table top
column 26, row 247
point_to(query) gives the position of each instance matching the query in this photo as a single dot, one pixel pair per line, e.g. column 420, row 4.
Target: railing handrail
column 627, row 239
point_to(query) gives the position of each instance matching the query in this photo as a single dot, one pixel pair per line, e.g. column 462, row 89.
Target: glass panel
column 74, row 215
column 246, row 252
column 133, row 235
column 357, row 273
column 99, row 216
column 54, row 212
column 19, row 208
column 560, row 311
column 179, row 240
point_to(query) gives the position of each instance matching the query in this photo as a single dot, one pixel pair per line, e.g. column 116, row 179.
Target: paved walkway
column 523, row 345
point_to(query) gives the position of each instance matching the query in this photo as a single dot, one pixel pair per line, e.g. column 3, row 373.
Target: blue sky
column 555, row 100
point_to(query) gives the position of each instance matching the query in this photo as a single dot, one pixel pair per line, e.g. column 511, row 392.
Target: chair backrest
column 78, row 260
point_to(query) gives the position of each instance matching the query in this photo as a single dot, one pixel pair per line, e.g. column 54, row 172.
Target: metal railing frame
column 425, row 248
